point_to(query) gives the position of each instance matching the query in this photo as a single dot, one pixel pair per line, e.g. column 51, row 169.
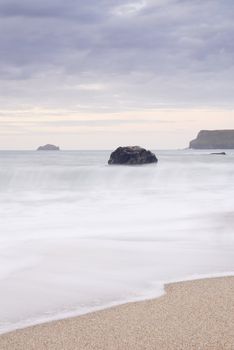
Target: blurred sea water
column 78, row 235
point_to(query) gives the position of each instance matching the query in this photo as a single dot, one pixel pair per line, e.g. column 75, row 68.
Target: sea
column 78, row 235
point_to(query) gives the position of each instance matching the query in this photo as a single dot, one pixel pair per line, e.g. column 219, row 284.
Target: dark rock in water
column 213, row 139
column 132, row 155
column 48, row 147
column 219, row 153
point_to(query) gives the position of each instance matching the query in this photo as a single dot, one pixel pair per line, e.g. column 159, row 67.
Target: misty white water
column 77, row 234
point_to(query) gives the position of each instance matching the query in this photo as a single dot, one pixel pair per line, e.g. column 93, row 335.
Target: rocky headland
column 213, row 139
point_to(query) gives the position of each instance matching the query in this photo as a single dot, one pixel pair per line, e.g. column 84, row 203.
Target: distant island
column 48, row 147
column 213, row 139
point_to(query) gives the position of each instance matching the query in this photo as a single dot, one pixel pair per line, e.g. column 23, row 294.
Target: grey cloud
column 172, row 52
column 84, row 11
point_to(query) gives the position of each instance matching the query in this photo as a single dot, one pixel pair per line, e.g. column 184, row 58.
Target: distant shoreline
column 189, row 150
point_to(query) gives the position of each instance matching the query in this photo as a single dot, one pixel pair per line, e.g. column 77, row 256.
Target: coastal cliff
column 213, row 139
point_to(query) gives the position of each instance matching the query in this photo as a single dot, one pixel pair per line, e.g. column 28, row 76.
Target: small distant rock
column 48, row 147
column 219, row 153
column 132, row 155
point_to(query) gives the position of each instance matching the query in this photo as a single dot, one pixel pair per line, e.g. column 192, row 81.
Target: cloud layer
column 145, row 52
column 116, row 56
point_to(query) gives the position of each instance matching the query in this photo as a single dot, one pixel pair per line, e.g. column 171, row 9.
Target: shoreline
column 190, row 314
column 149, row 295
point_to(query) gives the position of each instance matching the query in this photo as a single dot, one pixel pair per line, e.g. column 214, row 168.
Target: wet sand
column 191, row 315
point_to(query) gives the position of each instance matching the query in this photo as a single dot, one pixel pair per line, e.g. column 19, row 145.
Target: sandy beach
column 191, row 315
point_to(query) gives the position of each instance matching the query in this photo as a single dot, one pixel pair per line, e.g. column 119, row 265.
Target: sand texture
column 192, row 315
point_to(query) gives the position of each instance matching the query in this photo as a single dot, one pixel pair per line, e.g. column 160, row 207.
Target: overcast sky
column 99, row 73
